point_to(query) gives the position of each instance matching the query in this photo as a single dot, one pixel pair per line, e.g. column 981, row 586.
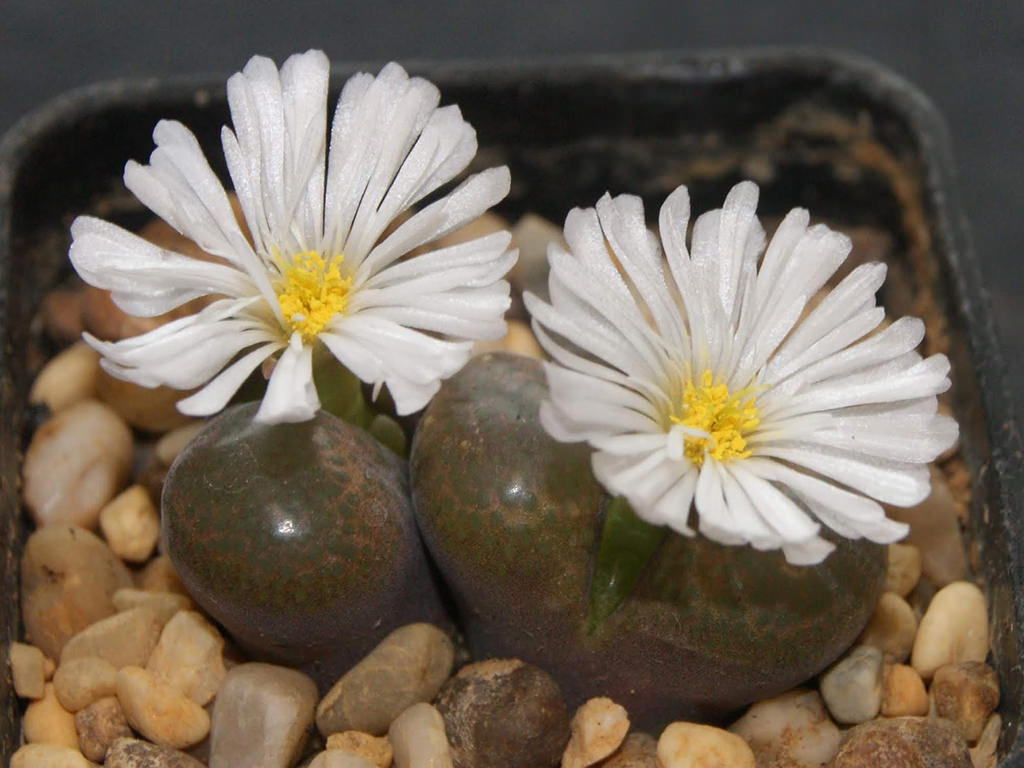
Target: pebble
column 135, row 753
column 518, row 340
column 690, row 745
column 793, row 729
column 171, row 444
column 891, row 629
column 28, row 670
column 99, row 725
column 131, row 524
column 639, row 750
column 81, row 681
column 504, row 713
column 983, row 754
column 418, row 739
column 376, row 749
column 49, row 756
column 163, row 604
column 904, row 569
column 935, row 531
column 67, row 378
column 333, row 758
column 407, row 666
column 159, row 712
column 68, row 578
column 189, row 656
column 597, row 730
column 151, row 409
column 159, row 575
column 852, row 688
column 260, row 716
column 903, row 692
column 903, row 742
column 61, row 311
column 47, row 722
column 75, row 464
column 532, row 234
column 966, row 693
column 954, row 628
column 125, row 639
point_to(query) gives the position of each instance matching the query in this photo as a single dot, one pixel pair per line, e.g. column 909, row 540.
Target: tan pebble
column 376, row 749
column 151, row 409
column 690, row 745
column 163, row 604
column 47, row 722
column 966, row 693
column 28, row 670
column 792, row 729
column 49, row 756
column 68, row 576
column 891, row 628
column 158, row 711
column 639, row 750
column 159, row 575
column 67, row 378
column 79, row 682
column 954, row 628
column 531, row 235
column 61, row 312
column 518, row 340
column 170, row 445
column 99, row 725
column 334, row 758
column 904, row 569
column 597, row 730
column 124, row 639
column 935, row 531
column 418, row 738
column 130, row 524
column 946, row 410
column 75, row 464
column 983, row 754
column 903, row 692
column 189, row 656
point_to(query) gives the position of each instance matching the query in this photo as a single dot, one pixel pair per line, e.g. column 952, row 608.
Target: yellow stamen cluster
column 311, row 292
column 726, row 418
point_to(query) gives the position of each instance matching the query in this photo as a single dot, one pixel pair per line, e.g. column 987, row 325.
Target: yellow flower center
column 310, row 292
column 724, row 417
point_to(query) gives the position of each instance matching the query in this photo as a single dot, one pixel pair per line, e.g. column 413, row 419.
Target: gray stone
column 261, row 716
column 852, row 689
column 99, row 725
column 408, row 666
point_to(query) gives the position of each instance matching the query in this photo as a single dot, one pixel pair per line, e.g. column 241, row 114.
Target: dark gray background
column 967, row 56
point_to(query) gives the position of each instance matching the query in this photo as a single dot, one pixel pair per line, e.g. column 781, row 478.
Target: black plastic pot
column 836, row 134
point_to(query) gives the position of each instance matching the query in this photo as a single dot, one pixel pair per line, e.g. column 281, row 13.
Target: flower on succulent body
column 704, row 381
column 326, row 259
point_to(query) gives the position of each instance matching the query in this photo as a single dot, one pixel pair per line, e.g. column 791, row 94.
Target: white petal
column 291, row 395
column 221, row 388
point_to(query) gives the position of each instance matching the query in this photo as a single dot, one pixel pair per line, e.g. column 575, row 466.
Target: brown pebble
column 99, row 725
column 639, row 750
column 903, row 692
column 151, row 409
column 966, row 693
column 903, row 742
column 135, row 753
column 504, row 713
column 61, row 312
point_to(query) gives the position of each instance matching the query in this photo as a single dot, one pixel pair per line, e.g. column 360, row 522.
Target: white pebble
column 131, row 524
column 159, row 712
column 189, row 656
column 419, row 740
column 954, row 628
column 791, row 729
column 75, row 464
column 124, row 639
column 79, row 682
column 68, row 377
column 28, row 670
column 598, row 728
column 690, row 745
column 852, row 688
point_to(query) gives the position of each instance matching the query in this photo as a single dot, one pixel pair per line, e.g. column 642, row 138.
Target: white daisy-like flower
column 700, row 385
column 317, row 269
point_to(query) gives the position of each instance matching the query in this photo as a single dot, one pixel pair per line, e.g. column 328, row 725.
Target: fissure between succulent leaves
column 311, row 291
column 716, row 421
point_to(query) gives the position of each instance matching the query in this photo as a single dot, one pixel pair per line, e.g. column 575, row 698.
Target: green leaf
column 627, row 543
column 390, row 433
column 340, row 391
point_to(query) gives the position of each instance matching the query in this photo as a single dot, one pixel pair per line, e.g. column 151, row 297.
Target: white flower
column 317, row 268
column 695, row 379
